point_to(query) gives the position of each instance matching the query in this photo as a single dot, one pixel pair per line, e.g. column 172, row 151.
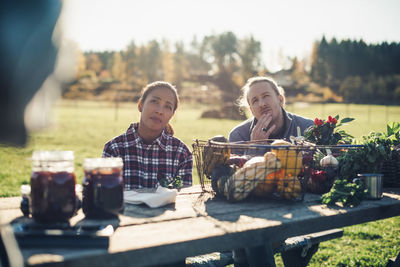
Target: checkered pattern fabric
column 144, row 165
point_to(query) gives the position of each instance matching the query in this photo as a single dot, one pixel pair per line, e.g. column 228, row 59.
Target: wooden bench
column 394, row 262
column 295, row 251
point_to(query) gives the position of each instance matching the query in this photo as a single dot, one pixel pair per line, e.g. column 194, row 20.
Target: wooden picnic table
column 198, row 224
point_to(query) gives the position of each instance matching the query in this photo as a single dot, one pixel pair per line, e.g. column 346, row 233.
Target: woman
column 148, row 149
column 271, row 121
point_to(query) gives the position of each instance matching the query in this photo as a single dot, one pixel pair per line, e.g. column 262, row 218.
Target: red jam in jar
column 103, row 188
column 53, row 186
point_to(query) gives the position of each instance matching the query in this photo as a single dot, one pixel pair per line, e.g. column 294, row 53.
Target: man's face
column 264, row 100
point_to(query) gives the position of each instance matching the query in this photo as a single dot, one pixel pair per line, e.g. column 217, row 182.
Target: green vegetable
column 175, row 183
column 369, row 158
column 347, row 193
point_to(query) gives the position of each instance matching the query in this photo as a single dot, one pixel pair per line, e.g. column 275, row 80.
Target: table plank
column 198, row 224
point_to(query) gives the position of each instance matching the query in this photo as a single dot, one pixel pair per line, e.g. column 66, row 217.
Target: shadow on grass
column 363, row 235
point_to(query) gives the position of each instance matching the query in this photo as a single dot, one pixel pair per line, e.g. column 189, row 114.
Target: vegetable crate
column 236, row 171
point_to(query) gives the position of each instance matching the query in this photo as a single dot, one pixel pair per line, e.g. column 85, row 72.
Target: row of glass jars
column 52, row 187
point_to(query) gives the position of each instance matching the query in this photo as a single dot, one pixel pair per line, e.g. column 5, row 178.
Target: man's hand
column 263, row 128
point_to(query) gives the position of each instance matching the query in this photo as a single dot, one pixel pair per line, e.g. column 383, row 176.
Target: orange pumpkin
column 289, row 187
column 269, row 184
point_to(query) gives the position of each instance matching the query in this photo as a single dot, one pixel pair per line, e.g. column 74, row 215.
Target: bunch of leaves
column 376, row 148
column 327, row 132
column 175, row 183
column 344, row 192
column 393, row 133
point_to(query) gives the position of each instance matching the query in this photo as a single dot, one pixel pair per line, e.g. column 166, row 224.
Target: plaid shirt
column 144, row 165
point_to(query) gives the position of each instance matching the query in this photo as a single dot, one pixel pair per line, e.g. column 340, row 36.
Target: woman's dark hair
column 156, row 85
column 160, row 84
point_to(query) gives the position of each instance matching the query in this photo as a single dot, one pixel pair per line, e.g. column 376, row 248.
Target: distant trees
column 356, row 71
column 250, row 54
column 130, row 57
column 180, row 65
column 118, row 70
column 94, row 63
column 233, row 60
column 359, row 72
column 229, row 59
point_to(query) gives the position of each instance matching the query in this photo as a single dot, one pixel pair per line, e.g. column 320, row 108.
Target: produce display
column 233, row 177
column 324, row 162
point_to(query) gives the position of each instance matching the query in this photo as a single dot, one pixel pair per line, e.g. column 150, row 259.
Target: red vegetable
column 318, row 176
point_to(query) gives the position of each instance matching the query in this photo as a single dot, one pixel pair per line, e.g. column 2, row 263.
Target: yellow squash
column 290, row 158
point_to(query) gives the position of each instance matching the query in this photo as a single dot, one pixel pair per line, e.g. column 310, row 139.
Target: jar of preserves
column 103, row 187
column 52, row 186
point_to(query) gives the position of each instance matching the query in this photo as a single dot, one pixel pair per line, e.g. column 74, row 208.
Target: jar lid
column 53, row 155
column 93, row 163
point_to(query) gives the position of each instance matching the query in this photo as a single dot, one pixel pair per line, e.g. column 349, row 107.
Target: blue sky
column 285, row 27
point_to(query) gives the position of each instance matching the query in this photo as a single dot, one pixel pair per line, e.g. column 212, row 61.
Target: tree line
column 359, row 72
column 354, row 70
column 223, row 59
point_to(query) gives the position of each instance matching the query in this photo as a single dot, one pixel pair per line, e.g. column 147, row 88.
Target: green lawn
column 84, row 127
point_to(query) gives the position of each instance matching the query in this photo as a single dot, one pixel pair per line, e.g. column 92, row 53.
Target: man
column 270, row 120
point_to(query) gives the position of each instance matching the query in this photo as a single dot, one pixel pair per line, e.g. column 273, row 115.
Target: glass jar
column 53, row 186
column 103, row 187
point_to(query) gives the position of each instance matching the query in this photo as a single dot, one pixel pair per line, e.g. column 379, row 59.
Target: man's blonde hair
column 244, row 102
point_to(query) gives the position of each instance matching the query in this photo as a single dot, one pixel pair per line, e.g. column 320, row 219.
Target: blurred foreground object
column 28, row 57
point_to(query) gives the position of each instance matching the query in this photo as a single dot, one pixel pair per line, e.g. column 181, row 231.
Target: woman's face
column 157, row 109
column 264, row 100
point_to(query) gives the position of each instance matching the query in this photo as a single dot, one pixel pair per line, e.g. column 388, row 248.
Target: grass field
column 85, row 127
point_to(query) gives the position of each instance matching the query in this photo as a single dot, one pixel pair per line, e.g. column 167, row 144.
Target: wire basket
column 236, row 171
column 391, row 169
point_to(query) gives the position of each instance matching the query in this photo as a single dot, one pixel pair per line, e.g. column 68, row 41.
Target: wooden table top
column 198, row 224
